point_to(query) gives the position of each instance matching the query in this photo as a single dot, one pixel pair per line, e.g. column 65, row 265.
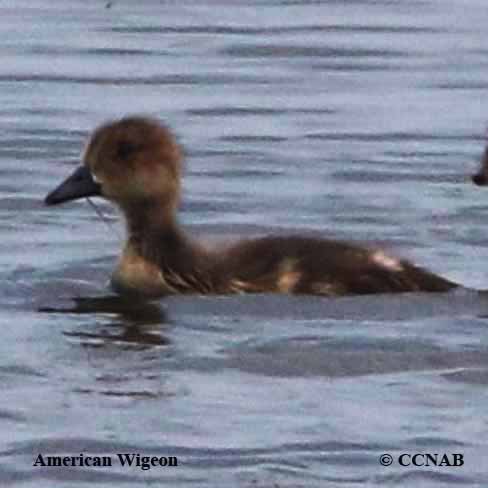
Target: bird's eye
column 126, row 149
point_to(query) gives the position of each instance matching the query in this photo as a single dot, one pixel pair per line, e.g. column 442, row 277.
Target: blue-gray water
column 359, row 120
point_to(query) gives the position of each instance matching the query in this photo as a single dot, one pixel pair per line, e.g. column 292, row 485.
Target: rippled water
column 359, row 120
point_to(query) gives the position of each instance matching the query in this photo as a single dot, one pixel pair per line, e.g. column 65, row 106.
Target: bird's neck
column 158, row 257
column 154, row 233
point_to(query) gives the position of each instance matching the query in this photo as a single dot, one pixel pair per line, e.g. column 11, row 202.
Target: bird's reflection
column 127, row 319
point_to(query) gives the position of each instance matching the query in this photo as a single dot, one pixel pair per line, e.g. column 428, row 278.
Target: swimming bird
column 481, row 177
column 136, row 162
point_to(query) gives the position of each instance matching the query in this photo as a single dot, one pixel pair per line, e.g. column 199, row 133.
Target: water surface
column 357, row 120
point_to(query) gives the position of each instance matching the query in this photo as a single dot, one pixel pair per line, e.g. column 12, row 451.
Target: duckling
column 481, row 177
column 136, row 163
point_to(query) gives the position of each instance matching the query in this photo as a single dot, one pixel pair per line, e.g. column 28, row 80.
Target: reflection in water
column 136, row 319
column 116, row 341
